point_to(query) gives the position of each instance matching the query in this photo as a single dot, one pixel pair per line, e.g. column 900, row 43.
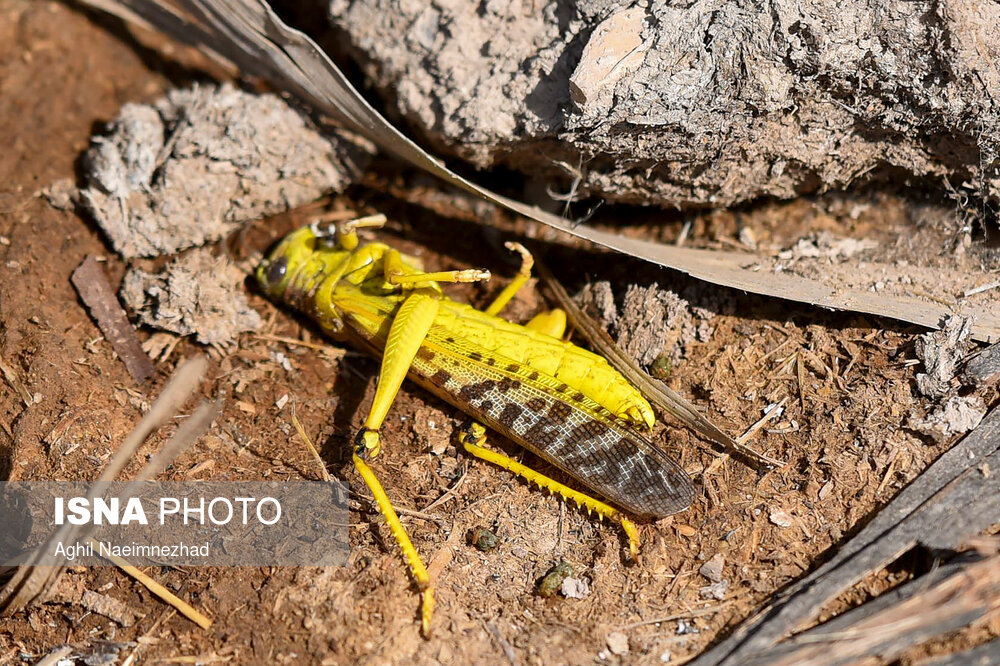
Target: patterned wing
column 558, row 423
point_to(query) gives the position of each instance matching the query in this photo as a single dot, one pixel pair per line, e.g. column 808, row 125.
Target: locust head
column 298, row 267
column 281, row 273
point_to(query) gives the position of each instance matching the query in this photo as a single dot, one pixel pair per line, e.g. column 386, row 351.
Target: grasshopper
column 561, row 402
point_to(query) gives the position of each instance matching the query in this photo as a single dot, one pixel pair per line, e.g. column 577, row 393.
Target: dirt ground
column 846, row 384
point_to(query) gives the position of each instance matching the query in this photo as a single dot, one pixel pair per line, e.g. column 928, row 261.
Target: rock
column 715, row 591
column 697, row 103
column 62, row 194
column 780, row 518
column 652, row 323
column 617, row 643
column 958, row 415
column 575, row 588
column 712, row 570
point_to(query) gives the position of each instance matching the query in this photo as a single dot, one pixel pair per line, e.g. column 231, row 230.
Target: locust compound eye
column 276, row 271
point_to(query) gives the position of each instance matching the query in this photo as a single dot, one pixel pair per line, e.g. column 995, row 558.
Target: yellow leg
column 474, row 436
column 409, row 552
column 345, row 233
column 523, row 275
column 395, row 273
column 407, row 333
column 408, row 330
column 552, row 322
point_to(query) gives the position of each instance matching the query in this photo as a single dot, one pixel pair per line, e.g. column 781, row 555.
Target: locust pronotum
column 559, row 401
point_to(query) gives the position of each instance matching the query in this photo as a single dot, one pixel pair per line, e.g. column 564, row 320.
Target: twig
column 335, row 352
column 449, row 493
column 164, row 616
column 402, row 511
column 771, row 414
column 95, row 290
column 163, row 593
column 979, row 290
column 700, row 612
column 323, row 471
column 15, row 382
column 888, row 471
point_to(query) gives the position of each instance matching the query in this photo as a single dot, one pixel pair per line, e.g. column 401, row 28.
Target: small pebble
column 282, row 360
column 686, row 627
column 575, row 588
column 781, row 518
column 685, row 530
column 617, row 643
column 712, row 569
column 715, row 590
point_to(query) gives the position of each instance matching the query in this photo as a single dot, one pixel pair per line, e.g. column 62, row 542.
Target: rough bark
column 709, row 102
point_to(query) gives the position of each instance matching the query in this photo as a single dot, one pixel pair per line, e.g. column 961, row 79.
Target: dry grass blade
column 163, row 593
column 189, row 431
column 30, row 582
column 698, row 612
column 324, row 473
column 508, row 651
column 657, row 392
column 180, row 387
column 248, row 34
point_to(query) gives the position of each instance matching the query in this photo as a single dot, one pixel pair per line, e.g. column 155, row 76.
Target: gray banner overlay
column 193, row 523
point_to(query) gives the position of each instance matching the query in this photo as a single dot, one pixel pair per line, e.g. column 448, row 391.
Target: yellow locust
column 559, row 401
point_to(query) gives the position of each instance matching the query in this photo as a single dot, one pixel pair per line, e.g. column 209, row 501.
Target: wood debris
column 96, row 292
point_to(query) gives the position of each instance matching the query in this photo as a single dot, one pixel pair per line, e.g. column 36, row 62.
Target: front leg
column 397, row 274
